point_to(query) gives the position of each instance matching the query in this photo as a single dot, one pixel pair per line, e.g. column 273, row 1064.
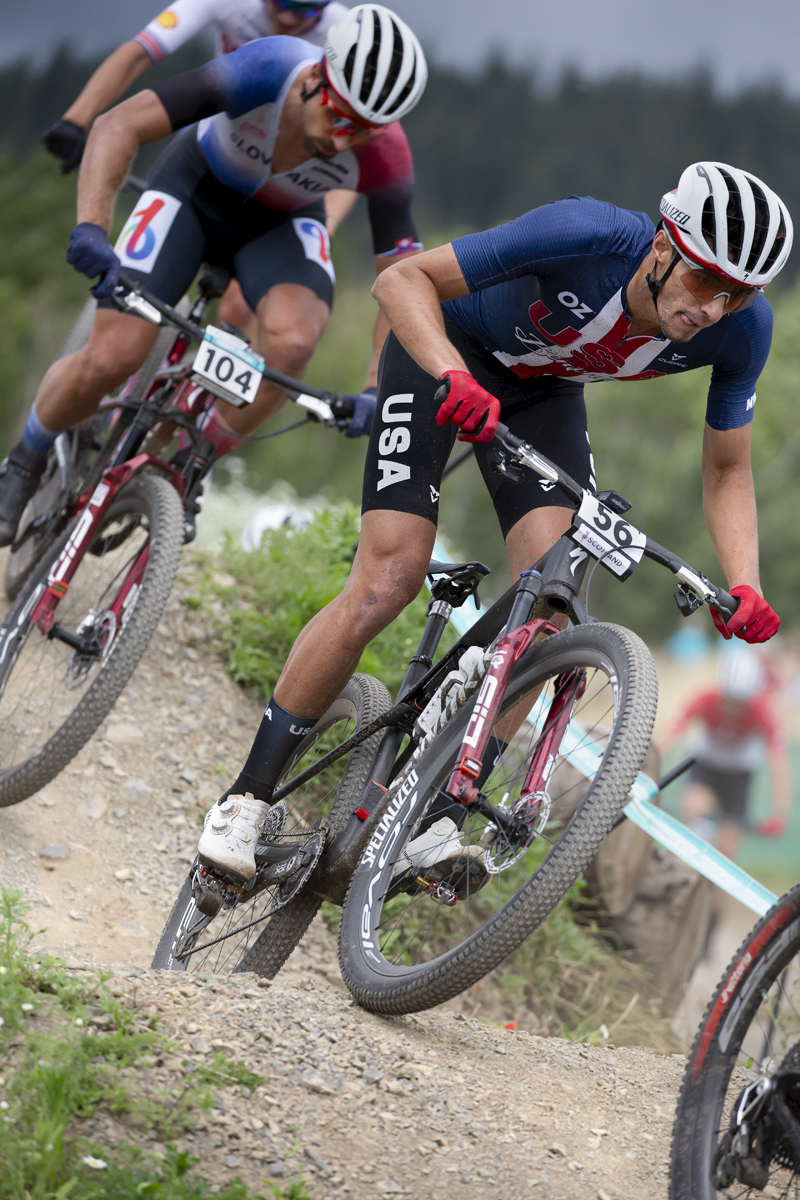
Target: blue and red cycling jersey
column 548, row 297
column 238, row 100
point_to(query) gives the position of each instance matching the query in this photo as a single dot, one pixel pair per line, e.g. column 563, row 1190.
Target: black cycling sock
column 29, row 459
column 279, row 735
column 445, row 806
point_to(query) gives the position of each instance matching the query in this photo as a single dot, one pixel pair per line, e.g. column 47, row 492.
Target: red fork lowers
column 568, row 690
column 94, row 510
column 508, row 651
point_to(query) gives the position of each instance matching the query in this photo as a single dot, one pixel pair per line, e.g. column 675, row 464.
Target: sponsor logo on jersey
column 316, row 245
column 145, row 231
column 167, row 19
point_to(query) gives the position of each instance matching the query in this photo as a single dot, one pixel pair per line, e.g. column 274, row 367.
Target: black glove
column 67, row 141
column 90, row 253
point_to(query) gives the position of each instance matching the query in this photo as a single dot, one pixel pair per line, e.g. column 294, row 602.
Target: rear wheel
column 53, row 697
column 333, row 794
column 417, row 927
column 750, row 1031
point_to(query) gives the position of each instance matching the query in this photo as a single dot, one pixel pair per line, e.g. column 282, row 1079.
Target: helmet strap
column 305, row 95
column 655, row 285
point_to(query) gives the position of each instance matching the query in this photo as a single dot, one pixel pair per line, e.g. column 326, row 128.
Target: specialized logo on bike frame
column 316, row 244
column 592, row 352
column 386, row 821
column 395, row 411
column 140, row 242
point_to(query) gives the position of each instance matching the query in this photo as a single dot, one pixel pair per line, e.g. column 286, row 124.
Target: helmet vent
column 778, row 246
column 734, row 217
column 350, row 64
column 393, row 73
column 371, row 62
column 761, row 225
column 709, row 224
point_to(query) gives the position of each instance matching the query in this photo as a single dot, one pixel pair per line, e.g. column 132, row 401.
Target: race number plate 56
column 226, row 366
column 608, row 537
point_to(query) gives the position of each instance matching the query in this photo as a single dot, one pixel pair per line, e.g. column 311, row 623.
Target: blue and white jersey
column 238, row 100
column 548, row 297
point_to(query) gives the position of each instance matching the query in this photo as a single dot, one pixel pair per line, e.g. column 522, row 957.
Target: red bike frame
column 93, row 508
column 569, row 688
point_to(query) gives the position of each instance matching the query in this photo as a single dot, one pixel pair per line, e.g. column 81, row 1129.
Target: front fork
column 569, row 688
column 91, row 517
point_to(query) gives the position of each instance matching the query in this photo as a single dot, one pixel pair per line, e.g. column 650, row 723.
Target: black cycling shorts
column 200, row 220
column 731, row 788
column 408, row 451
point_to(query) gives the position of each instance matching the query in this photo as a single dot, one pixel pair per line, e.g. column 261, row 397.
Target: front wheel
column 439, row 899
column 245, row 935
column 52, row 696
column 748, row 1038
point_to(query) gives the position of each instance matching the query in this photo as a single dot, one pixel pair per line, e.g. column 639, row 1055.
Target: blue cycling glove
column 90, row 253
column 361, row 422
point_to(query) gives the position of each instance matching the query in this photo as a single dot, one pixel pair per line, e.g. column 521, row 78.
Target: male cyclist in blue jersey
column 511, row 323
column 268, row 131
column 235, row 22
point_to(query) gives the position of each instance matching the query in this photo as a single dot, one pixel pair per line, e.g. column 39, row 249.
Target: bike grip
column 342, row 407
column 726, row 604
column 506, row 438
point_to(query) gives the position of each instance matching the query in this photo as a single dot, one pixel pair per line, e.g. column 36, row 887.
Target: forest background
column 487, row 147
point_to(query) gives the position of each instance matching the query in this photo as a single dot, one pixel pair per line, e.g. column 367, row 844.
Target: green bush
column 274, row 592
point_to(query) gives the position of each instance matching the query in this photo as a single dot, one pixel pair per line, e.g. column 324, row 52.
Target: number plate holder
column 226, row 366
column 608, row 537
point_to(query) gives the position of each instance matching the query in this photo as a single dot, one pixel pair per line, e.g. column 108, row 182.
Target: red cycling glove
column 468, row 405
column 773, row 826
column 753, row 621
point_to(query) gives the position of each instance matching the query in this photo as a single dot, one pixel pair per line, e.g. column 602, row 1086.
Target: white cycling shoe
column 230, row 834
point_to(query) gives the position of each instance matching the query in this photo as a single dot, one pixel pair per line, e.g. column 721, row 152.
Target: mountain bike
column 94, row 562
column 737, row 1124
column 459, row 821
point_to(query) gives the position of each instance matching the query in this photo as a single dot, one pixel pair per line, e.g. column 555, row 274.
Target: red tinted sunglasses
column 343, row 122
column 298, row 6
column 705, row 285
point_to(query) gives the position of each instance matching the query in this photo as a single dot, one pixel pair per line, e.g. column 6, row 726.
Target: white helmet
column 729, row 222
column 740, row 675
column 375, row 63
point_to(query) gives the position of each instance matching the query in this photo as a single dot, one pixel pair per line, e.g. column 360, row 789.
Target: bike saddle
column 451, row 569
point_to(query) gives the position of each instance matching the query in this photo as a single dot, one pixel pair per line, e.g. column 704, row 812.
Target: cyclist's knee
column 108, row 359
column 374, row 602
column 289, row 349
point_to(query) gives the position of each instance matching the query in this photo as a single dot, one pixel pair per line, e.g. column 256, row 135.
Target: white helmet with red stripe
column 729, row 222
column 375, row 63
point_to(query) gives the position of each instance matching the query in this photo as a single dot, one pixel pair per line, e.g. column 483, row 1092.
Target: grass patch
column 71, row 1052
column 260, row 601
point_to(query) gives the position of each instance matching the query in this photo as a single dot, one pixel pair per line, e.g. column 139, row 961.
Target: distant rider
column 235, row 22
column 280, row 123
column 511, row 323
column 735, row 723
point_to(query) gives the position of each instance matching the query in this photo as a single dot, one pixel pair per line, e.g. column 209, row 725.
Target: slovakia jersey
column 236, row 22
column 246, row 91
column 548, row 297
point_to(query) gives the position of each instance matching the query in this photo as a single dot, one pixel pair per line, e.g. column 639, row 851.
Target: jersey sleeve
column 386, row 178
column 769, row 725
column 732, row 394
column 564, row 229
column 175, row 26
column 234, row 83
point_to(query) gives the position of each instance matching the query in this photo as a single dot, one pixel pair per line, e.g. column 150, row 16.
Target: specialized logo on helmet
column 673, row 213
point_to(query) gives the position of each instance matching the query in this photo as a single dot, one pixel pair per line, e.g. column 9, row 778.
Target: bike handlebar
column 526, row 456
column 341, row 407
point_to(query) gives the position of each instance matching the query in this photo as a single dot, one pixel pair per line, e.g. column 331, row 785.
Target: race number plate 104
column 608, row 537
column 226, row 366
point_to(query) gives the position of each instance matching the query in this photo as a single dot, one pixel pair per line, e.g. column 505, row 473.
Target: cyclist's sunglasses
column 343, row 122
column 298, row 6
column 705, row 285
